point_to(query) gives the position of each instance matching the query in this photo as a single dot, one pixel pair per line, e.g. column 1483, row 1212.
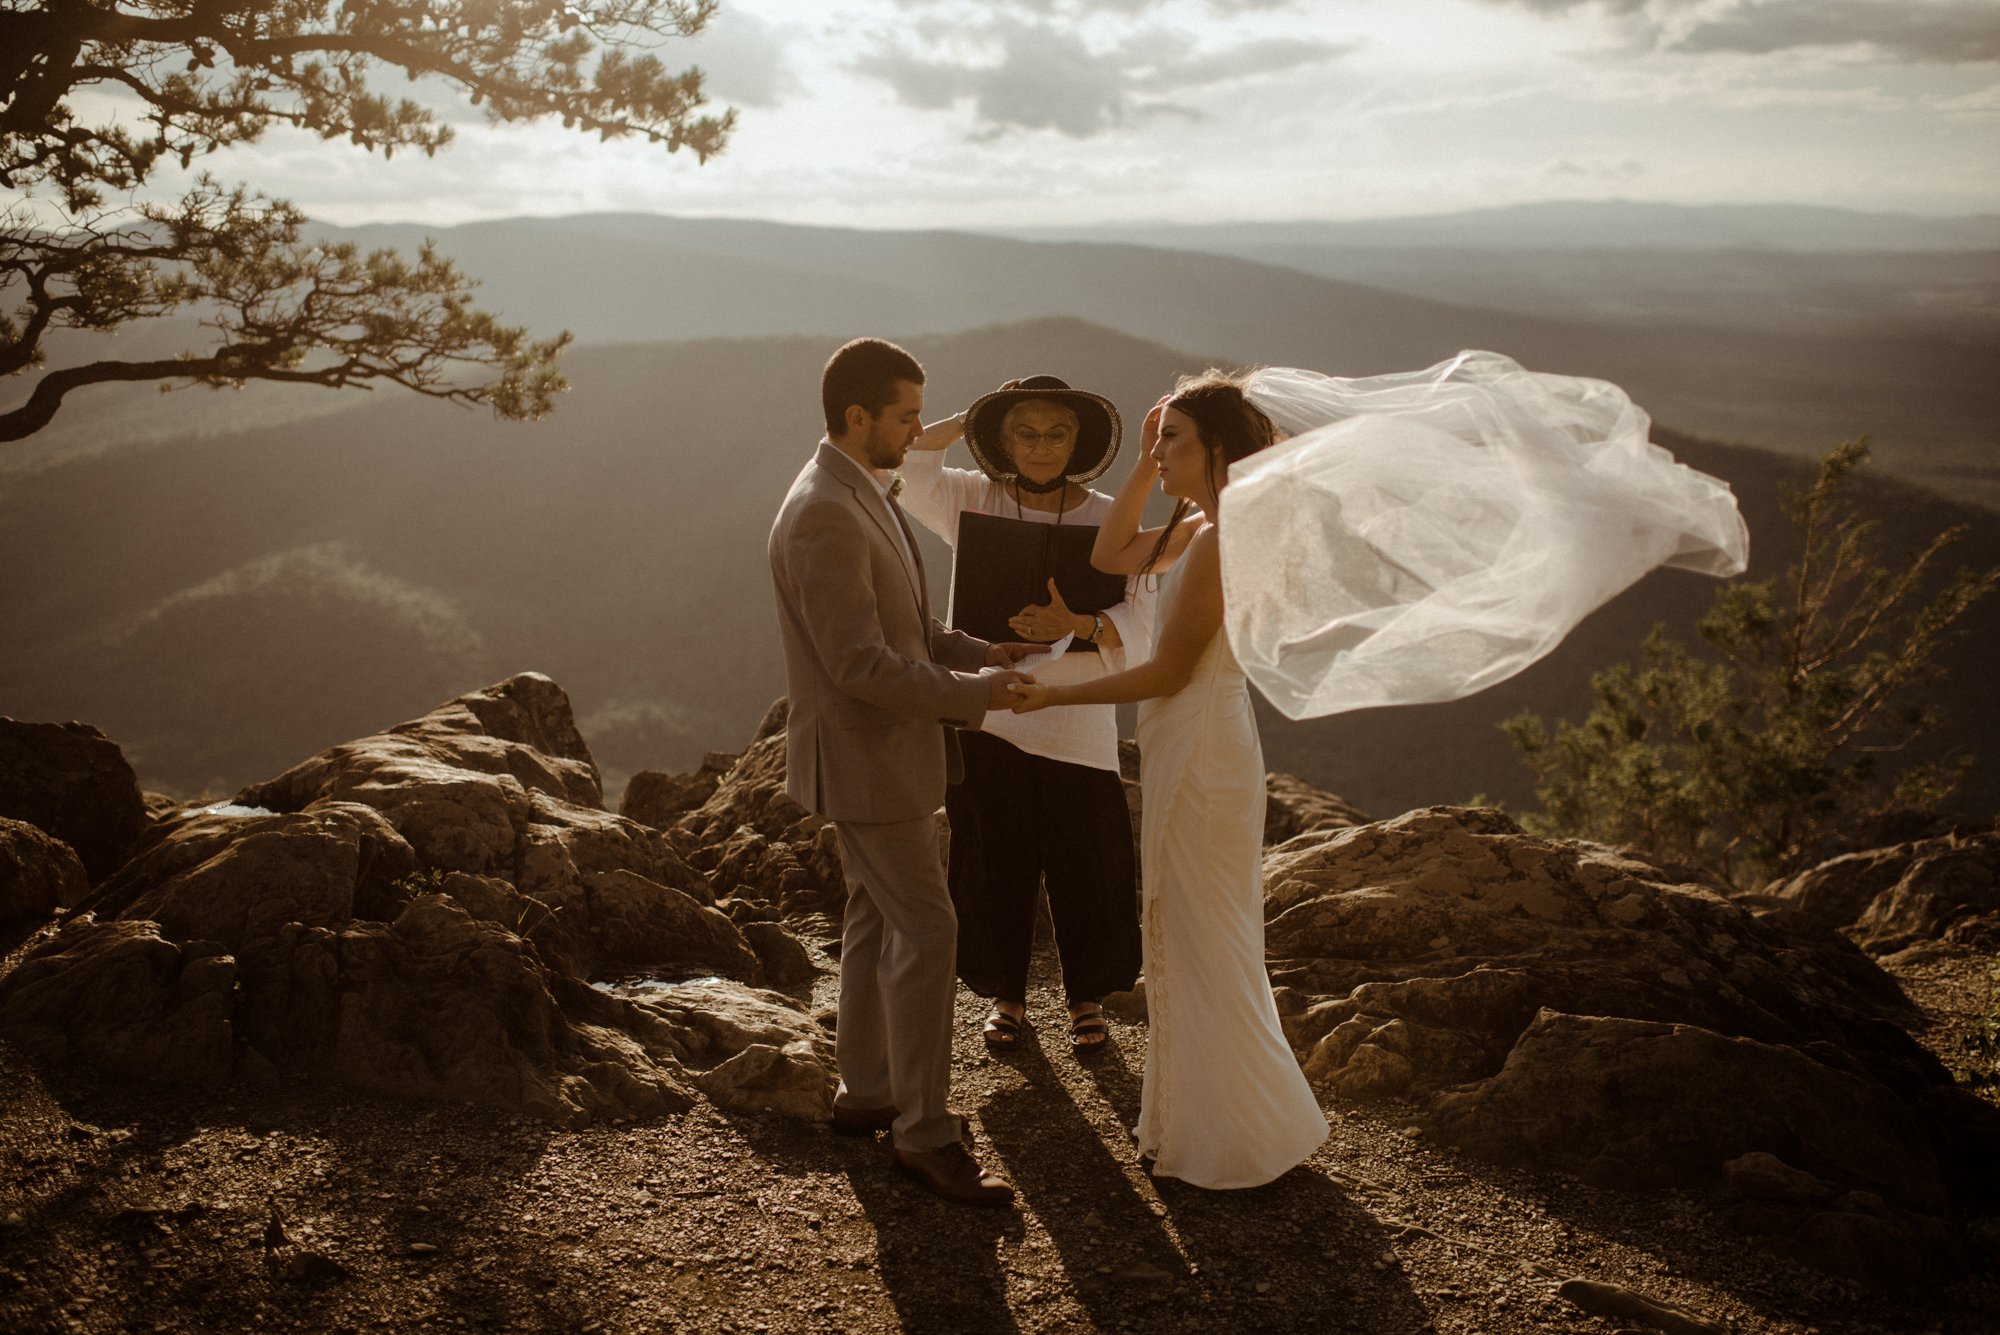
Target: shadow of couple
column 1097, row 1243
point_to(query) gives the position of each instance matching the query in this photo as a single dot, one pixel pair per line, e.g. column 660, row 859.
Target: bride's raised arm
column 1122, row 547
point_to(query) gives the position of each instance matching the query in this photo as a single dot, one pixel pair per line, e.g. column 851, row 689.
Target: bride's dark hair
column 1230, row 426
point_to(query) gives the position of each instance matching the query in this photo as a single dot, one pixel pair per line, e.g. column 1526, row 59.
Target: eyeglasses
column 1056, row 438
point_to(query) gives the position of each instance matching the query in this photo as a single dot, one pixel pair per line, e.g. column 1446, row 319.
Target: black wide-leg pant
column 1019, row 821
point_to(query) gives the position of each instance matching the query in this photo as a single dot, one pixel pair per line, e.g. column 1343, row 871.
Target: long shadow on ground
column 1295, row 1255
column 165, row 1201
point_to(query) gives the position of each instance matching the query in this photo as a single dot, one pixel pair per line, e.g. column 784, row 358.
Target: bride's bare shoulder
column 1202, row 561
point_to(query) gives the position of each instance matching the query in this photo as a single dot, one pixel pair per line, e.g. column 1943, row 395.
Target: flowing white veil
column 1423, row 535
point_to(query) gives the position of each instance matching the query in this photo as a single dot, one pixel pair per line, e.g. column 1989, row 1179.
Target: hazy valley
column 223, row 604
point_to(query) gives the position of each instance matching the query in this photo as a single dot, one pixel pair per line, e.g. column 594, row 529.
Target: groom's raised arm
column 844, row 623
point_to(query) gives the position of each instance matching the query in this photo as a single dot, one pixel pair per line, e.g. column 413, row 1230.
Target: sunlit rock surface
column 1561, row 1004
column 1929, row 892
column 415, row 913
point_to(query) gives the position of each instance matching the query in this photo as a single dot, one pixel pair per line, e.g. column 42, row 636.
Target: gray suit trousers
column 898, row 978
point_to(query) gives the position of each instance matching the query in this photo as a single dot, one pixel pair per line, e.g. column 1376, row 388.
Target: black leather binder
column 1003, row 564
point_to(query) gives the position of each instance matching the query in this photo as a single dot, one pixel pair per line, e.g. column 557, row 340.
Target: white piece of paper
column 1036, row 662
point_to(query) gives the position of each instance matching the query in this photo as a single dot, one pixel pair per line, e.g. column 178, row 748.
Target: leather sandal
column 1002, row 1031
column 1088, row 1032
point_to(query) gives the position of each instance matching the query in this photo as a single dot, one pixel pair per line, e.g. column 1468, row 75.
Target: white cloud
column 1630, row 169
column 956, row 113
column 1982, row 102
column 1029, row 75
column 747, row 60
column 1947, row 32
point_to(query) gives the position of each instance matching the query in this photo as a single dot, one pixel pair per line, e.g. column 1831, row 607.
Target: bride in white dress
column 1412, row 537
column 1224, row 1102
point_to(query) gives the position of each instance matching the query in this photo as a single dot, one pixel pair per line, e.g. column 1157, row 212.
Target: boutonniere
column 895, row 485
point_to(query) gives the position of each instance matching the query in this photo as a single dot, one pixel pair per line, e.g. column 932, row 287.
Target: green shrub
column 1760, row 755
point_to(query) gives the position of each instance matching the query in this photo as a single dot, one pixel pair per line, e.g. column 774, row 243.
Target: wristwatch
column 1096, row 627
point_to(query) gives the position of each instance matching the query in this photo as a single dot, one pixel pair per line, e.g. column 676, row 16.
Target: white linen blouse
column 1078, row 734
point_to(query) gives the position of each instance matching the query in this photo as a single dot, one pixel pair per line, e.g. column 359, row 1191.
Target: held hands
column 1000, row 684
column 1029, row 695
column 1000, row 687
column 1044, row 622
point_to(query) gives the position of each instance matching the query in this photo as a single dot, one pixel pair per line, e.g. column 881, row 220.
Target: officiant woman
column 1041, row 802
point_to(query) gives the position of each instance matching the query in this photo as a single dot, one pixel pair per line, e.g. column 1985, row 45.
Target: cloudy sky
column 961, row 113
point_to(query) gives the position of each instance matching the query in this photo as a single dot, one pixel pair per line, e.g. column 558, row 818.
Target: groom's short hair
column 864, row 371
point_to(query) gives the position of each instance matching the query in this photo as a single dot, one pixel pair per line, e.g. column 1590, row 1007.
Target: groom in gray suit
column 876, row 685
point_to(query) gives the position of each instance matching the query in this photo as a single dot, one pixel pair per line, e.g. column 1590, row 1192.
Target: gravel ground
column 1954, row 988
column 128, row 1208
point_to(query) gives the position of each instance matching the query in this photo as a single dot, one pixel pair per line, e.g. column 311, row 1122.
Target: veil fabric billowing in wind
column 1422, row 535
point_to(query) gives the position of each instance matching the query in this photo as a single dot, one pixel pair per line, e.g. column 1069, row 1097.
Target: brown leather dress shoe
column 862, row 1121
column 952, row 1172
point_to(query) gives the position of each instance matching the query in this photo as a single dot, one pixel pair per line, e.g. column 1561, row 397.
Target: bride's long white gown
column 1224, row 1102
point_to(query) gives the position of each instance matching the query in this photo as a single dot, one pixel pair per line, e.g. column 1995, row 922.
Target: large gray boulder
column 420, row 913
column 499, row 784
column 1943, row 891
column 1562, row 1004
column 240, row 876
column 71, row 781
column 124, row 998
column 38, row 874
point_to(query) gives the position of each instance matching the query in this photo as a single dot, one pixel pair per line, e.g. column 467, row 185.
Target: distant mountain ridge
column 224, row 604
column 1610, row 224
column 1925, row 391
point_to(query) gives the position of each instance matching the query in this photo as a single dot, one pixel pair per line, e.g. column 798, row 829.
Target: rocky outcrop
column 71, row 781
column 500, row 785
column 241, row 876
column 38, row 874
column 754, row 1050
column 1943, row 891
column 1563, row 1004
column 416, row 913
column 1293, row 807
column 757, row 844
column 124, row 998
column 1635, row 1105
column 659, row 799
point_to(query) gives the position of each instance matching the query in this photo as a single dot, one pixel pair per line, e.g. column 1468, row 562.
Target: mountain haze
column 1575, row 225
column 224, row 604
column 1920, row 384
column 1941, row 296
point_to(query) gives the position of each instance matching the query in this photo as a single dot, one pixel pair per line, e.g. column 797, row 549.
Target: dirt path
column 145, row 1209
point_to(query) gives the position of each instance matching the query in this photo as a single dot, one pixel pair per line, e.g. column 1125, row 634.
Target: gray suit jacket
column 870, row 672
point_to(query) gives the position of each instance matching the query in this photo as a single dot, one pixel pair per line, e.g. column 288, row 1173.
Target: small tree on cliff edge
column 199, row 75
column 1756, row 761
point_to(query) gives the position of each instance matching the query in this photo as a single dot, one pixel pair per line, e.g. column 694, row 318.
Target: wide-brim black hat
column 1097, row 435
